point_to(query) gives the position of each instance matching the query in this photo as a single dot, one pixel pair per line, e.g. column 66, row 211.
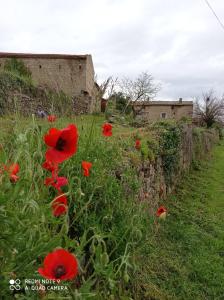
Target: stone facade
column 156, row 110
column 72, row 74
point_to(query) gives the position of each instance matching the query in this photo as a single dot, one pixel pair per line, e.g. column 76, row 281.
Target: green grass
column 185, row 256
column 123, row 252
column 104, row 221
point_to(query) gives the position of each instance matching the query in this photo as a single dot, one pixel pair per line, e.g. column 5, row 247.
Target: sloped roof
column 42, row 55
column 157, row 103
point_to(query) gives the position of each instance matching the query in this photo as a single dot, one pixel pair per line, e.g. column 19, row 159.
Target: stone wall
column 154, row 188
column 72, row 74
column 69, row 75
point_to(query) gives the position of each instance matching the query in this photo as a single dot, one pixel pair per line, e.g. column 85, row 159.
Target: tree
column 120, row 102
column 210, row 109
column 143, row 88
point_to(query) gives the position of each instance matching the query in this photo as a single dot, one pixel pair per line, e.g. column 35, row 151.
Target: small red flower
column 50, row 166
column 59, row 205
column 138, row 144
column 57, row 183
column 86, row 167
column 62, row 143
column 107, row 129
column 161, row 212
column 59, row 264
column 13, row 170
column 51, row 118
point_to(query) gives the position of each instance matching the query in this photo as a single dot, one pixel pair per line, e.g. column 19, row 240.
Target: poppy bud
column 92, row 248
column 126, row 277
column 104, row 258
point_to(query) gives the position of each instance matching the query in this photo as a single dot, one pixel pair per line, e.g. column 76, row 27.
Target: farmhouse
column 72, row 74
column 155, row 110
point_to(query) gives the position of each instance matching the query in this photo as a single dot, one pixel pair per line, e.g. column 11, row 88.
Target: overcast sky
column 179, row 42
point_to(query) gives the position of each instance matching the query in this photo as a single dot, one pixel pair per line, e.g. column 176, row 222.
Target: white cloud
column 179, row 42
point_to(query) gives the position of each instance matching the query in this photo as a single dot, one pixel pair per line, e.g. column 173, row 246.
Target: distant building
column 72, row 74
column 156, row 110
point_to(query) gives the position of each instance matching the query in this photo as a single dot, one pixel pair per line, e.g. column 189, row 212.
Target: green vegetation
column 16, row 84
column 17, row 67
column 123, row 252
column 104, row 226
column 185, row 253
column 169, row 143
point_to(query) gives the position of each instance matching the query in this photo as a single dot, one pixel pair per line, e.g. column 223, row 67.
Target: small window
column 80, row 67
column 40, row 66
column 163, row 115
column 59, row 67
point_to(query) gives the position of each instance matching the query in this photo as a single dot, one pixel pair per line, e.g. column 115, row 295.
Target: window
column 40, row 66
column 163, row 115
column 59, row 67
column 80, row 67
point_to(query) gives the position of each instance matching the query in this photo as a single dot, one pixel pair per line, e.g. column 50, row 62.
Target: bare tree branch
column 143, row 88
column 210, row 109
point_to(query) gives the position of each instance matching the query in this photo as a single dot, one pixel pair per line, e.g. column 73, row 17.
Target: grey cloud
column 179, row 42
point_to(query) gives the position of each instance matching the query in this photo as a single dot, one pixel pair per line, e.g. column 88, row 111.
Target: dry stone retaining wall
column 194, row 146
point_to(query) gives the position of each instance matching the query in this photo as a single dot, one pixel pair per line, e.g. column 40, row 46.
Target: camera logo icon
column 14, row 284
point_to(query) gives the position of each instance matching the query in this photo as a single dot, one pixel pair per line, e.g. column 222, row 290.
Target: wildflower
column 138, row 144
column 51, row 118
column 62, row 143
column 161, row 212
column 50, row 166
column 56, row 182
column 107, row 129
column 59, row 205
column 13, row 170
column 86, row 167
column 59, row 264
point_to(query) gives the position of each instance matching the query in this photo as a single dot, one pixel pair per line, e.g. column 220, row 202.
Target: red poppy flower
column 57, row 183
column 86, row 167
column 161, row 212
column 59, row 264
column 107, row 129
column 138, row 144
column 50, row 166
column 59, row 205
column 62, row 143
column 51, row 118
column 13, row 170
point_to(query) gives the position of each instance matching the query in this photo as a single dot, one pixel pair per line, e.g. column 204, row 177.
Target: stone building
column 72, row 74
column 156, row 110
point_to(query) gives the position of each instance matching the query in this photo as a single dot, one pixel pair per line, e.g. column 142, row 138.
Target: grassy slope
column 186, row 253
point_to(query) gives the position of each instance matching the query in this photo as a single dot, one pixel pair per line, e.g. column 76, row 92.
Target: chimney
column 180, row 100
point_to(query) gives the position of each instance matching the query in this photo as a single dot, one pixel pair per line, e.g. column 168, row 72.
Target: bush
column 17, row 67
column 169, row 144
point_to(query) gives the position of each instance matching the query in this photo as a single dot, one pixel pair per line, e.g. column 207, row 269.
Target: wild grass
column 185, row 256
column 104, row 224
column 123, row 252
